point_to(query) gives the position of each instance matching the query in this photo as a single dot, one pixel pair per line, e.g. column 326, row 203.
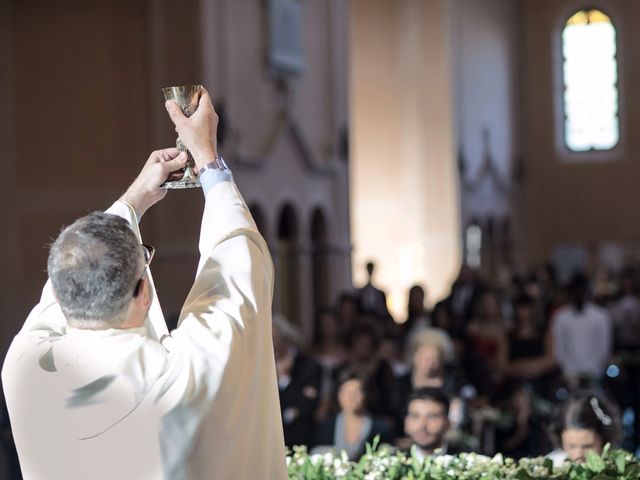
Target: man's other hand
column 197, row 132
column 145, row 190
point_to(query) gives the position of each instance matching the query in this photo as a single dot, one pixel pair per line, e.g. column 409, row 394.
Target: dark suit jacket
column 372, row 300
column 299, row 401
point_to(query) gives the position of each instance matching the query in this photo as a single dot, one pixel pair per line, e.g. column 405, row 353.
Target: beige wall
column 404, row 183
column 582, row 202
column 486, row 47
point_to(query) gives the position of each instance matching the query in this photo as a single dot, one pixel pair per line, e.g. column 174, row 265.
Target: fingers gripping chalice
column 187, row 97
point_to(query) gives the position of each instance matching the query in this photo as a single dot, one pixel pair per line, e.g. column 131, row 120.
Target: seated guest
column 486, row 330
column 391, row 352
column 329, row 351
column 429, row 353
column 427, row 422
column 364, row 349
column 299, row 380
column 485, row 335
column 586, row 422
column 625, row 313
column 441, row 318
column 347, row 311
column 520, row 432
column 353, row 426
column 527, row 352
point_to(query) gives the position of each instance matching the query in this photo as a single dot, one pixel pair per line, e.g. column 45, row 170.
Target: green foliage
column 381, row 463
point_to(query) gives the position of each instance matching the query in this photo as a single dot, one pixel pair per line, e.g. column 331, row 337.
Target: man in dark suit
column 299, row 381
column 372, row 300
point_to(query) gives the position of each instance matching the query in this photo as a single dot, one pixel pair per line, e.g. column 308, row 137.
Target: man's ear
column 53, row 292
column 143, row 299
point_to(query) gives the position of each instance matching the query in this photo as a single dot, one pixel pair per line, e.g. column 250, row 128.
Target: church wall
column 82, row 110
column 485, row 49
column 405, row 209
column 578, row 204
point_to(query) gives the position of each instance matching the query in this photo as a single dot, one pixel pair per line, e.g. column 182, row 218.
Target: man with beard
column 427, row 422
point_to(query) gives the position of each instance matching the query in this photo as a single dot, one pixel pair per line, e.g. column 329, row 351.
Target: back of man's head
column 94, row 265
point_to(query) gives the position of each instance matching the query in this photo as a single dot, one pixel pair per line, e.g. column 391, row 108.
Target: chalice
column 187, row 97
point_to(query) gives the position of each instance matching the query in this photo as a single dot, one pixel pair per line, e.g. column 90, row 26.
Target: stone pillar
column 405, row 211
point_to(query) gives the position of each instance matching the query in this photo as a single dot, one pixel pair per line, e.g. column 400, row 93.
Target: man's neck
column 428, row 452
column 105, row 324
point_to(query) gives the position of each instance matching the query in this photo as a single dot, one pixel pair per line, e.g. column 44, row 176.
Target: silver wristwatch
column 216, row 164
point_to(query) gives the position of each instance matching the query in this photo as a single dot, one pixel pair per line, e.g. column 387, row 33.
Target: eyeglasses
column 148, row 252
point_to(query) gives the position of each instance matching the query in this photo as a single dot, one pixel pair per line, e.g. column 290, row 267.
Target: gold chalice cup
column 187, row 97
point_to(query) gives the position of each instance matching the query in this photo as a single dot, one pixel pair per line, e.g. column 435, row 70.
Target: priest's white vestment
column 200, row 403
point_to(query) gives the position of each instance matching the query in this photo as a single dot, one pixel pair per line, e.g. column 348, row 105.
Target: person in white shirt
column 97, row 388
column 582, row 335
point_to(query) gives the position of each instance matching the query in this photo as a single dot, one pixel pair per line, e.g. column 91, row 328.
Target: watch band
column 216, row 164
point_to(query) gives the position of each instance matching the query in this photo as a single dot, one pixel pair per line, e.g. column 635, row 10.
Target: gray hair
column 94, row 265
column 432, row 337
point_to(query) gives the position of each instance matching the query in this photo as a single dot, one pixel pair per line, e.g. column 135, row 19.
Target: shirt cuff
column 212, row 176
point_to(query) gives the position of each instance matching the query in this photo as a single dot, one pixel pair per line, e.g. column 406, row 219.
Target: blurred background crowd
column 421, row 134
column 510, row 359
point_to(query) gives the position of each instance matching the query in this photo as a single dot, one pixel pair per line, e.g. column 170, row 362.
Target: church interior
column 481, row 150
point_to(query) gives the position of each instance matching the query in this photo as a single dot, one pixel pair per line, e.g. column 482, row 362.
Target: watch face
column 216, row 164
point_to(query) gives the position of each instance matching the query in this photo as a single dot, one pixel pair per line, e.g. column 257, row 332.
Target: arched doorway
column 259, row 217
column 319, row 260
column 287, row 283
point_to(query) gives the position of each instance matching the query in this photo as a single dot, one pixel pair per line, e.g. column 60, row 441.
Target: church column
column 405, row 207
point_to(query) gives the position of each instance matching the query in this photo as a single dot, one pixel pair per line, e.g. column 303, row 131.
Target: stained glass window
column 590, row 74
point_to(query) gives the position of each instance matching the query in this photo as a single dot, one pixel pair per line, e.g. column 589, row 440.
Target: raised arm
column 142, row 194
column 235, row 272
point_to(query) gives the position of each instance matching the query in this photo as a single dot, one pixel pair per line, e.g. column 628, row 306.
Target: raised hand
column 197, row 132
column 145, row 190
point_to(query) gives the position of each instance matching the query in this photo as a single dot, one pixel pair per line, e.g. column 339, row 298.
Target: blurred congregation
column 501, row 360
column 447, row 189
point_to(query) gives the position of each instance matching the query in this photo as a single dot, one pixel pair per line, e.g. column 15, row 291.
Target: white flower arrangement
column 387, row 464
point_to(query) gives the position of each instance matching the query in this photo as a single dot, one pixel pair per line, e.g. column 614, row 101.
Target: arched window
column 590, row 78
